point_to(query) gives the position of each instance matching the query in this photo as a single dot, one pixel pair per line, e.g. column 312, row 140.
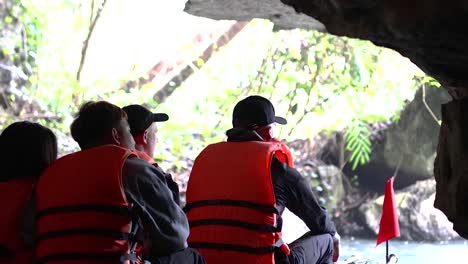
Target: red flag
column 389, row 227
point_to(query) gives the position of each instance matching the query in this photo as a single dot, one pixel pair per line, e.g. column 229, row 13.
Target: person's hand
column 336, row 247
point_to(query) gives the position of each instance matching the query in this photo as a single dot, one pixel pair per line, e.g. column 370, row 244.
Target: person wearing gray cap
column 238, row 189
column 143, row 128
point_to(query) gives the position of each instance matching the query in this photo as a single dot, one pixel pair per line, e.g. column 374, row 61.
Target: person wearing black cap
column 238, row 189
column 143, row 128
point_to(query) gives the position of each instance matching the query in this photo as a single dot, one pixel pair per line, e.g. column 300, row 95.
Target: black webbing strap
column 6, row 252
column 233, row 247
column 279, row 242
column 132, row 258
column 238, row 203
column 236, row 223
column 120, row 210
column 86, row 231
column 115, row 258
column 138, row 236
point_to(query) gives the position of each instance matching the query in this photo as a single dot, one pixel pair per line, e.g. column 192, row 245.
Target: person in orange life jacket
column 246, row 160
column 143, row 127
column 27, row 149
column 97, row 205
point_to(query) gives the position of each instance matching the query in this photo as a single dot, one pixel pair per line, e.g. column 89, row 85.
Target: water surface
column 407, row 252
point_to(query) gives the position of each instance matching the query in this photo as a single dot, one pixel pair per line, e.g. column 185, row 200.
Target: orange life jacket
column 287, row 157
column 15, row 195
column 231, row 203
column 82, row 212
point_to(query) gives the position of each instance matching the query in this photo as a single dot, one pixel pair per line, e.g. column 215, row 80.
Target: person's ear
column 115, row 136
column 145, row 137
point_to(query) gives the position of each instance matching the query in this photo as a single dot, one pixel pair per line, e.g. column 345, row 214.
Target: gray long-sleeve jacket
column 148, row 187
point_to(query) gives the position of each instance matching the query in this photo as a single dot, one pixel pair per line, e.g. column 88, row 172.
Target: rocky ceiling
column 432, row 33
column 283, row 16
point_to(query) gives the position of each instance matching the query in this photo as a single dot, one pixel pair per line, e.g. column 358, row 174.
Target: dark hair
column 27, row 149
column 94, row 122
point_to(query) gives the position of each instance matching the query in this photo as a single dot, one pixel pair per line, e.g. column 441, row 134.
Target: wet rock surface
column 408, row 146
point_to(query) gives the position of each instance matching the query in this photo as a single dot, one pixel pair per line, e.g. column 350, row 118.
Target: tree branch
column 315, row 80
column 92, row 25
column 427, row 106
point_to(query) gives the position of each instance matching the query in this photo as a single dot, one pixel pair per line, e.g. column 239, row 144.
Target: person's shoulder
column 278, row 167
column 134, row 165
column 281, row 169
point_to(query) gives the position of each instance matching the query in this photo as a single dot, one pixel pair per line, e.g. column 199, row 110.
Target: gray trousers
column 186, row 256
column 308, row 249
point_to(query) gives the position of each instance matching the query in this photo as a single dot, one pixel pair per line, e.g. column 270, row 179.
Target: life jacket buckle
column 283, row 246
column 132, row 258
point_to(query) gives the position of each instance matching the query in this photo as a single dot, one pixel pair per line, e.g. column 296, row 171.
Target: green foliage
column 358, row 143
column 323, row 82
column 329, row 81
column 428, row 80
column 319, row 82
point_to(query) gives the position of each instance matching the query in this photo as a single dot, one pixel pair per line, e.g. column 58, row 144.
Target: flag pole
column 398, row 167
column 394, row 176
column 386, row 253
column 395, row 229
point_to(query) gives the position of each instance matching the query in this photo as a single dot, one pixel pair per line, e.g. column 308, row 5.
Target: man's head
column 143, row 127
column 256, row 113
column 101, row 123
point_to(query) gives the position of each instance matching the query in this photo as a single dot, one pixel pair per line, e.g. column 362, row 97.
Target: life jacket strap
column 250, row 226
column 86, row 231
column 233, row 247
column 283, row 246
column 6, row 252
column 79, row 256
column 237, row 203
column 131, row 257
column 113, row 209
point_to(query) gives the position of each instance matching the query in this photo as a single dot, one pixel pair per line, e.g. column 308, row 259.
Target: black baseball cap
column 140, row 118
column 255, row 111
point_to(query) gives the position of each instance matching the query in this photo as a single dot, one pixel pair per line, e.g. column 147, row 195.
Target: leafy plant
column 358, row 143
column 320, row 82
